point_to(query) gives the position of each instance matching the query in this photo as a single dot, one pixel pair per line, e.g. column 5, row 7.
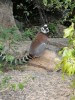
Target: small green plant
column 1, row 46
column 52, row 27
column 6, row 58
column 4, row 81
column 29, row 33
column 21, row 86
column 9, row 34
column 16, row 86
column 9, row 58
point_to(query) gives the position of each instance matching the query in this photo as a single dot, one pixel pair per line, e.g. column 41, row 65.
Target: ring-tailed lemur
column 37, row 47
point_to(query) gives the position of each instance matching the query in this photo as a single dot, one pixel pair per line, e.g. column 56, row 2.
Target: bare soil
column 41, row 83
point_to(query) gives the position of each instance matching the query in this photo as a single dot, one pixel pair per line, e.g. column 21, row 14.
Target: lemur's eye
column 45, row 27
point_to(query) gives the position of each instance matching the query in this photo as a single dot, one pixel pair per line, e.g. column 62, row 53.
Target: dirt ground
column 41, row 83
column 40, row 86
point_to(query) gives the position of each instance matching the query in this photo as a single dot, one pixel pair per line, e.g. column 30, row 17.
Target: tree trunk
column 6, row 14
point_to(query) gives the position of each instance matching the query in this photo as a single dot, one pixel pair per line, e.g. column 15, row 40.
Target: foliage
column 68, row 53
column 6, row 58
column 72, row 98
column 52, row 27
column 67, row 7
column 9, row 34
column 27, row 10
column 19, row 85
column 28, row 33
column 1, row 46
column 16, row 86
column 45, row 2
column 67, row 63
column 9, row 58
column 59, row 4
column 4, row 81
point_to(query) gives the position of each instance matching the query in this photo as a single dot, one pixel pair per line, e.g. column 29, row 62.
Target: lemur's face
column 45, row 29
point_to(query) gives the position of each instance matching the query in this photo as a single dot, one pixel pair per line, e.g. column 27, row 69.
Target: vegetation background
column 21, row 19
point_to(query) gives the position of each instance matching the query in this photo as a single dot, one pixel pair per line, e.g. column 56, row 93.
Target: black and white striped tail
column 23, row 60
column 16, row 61
column 2, row 57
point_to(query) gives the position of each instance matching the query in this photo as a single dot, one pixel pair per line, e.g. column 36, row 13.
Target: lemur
column 37, row 46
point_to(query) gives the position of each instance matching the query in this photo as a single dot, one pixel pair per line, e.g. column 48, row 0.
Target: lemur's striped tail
column 23, row 60
column 2, row 56
column 16, row 61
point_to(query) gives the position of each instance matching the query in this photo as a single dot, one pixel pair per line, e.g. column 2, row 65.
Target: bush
column 67, row 63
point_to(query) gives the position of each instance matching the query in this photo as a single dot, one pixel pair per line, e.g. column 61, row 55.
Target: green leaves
column 21, row 86
column 1, row 46
column 45, row 2
column 28, row 33
column 67, row 62
column 69, row 31
column 4, row 81
column 73, row 83
column 67, row 52
column 10, row 58
column 73, row 43
column 52, row 27
column 68, row 65
column 9, row 33
column 14, row 86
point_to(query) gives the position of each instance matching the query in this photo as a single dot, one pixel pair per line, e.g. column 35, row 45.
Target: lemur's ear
column 45, row 25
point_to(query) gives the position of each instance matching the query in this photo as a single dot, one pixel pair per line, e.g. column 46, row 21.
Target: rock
column 48, row 60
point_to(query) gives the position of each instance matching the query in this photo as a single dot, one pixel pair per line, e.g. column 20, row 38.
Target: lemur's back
column 38, row 45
